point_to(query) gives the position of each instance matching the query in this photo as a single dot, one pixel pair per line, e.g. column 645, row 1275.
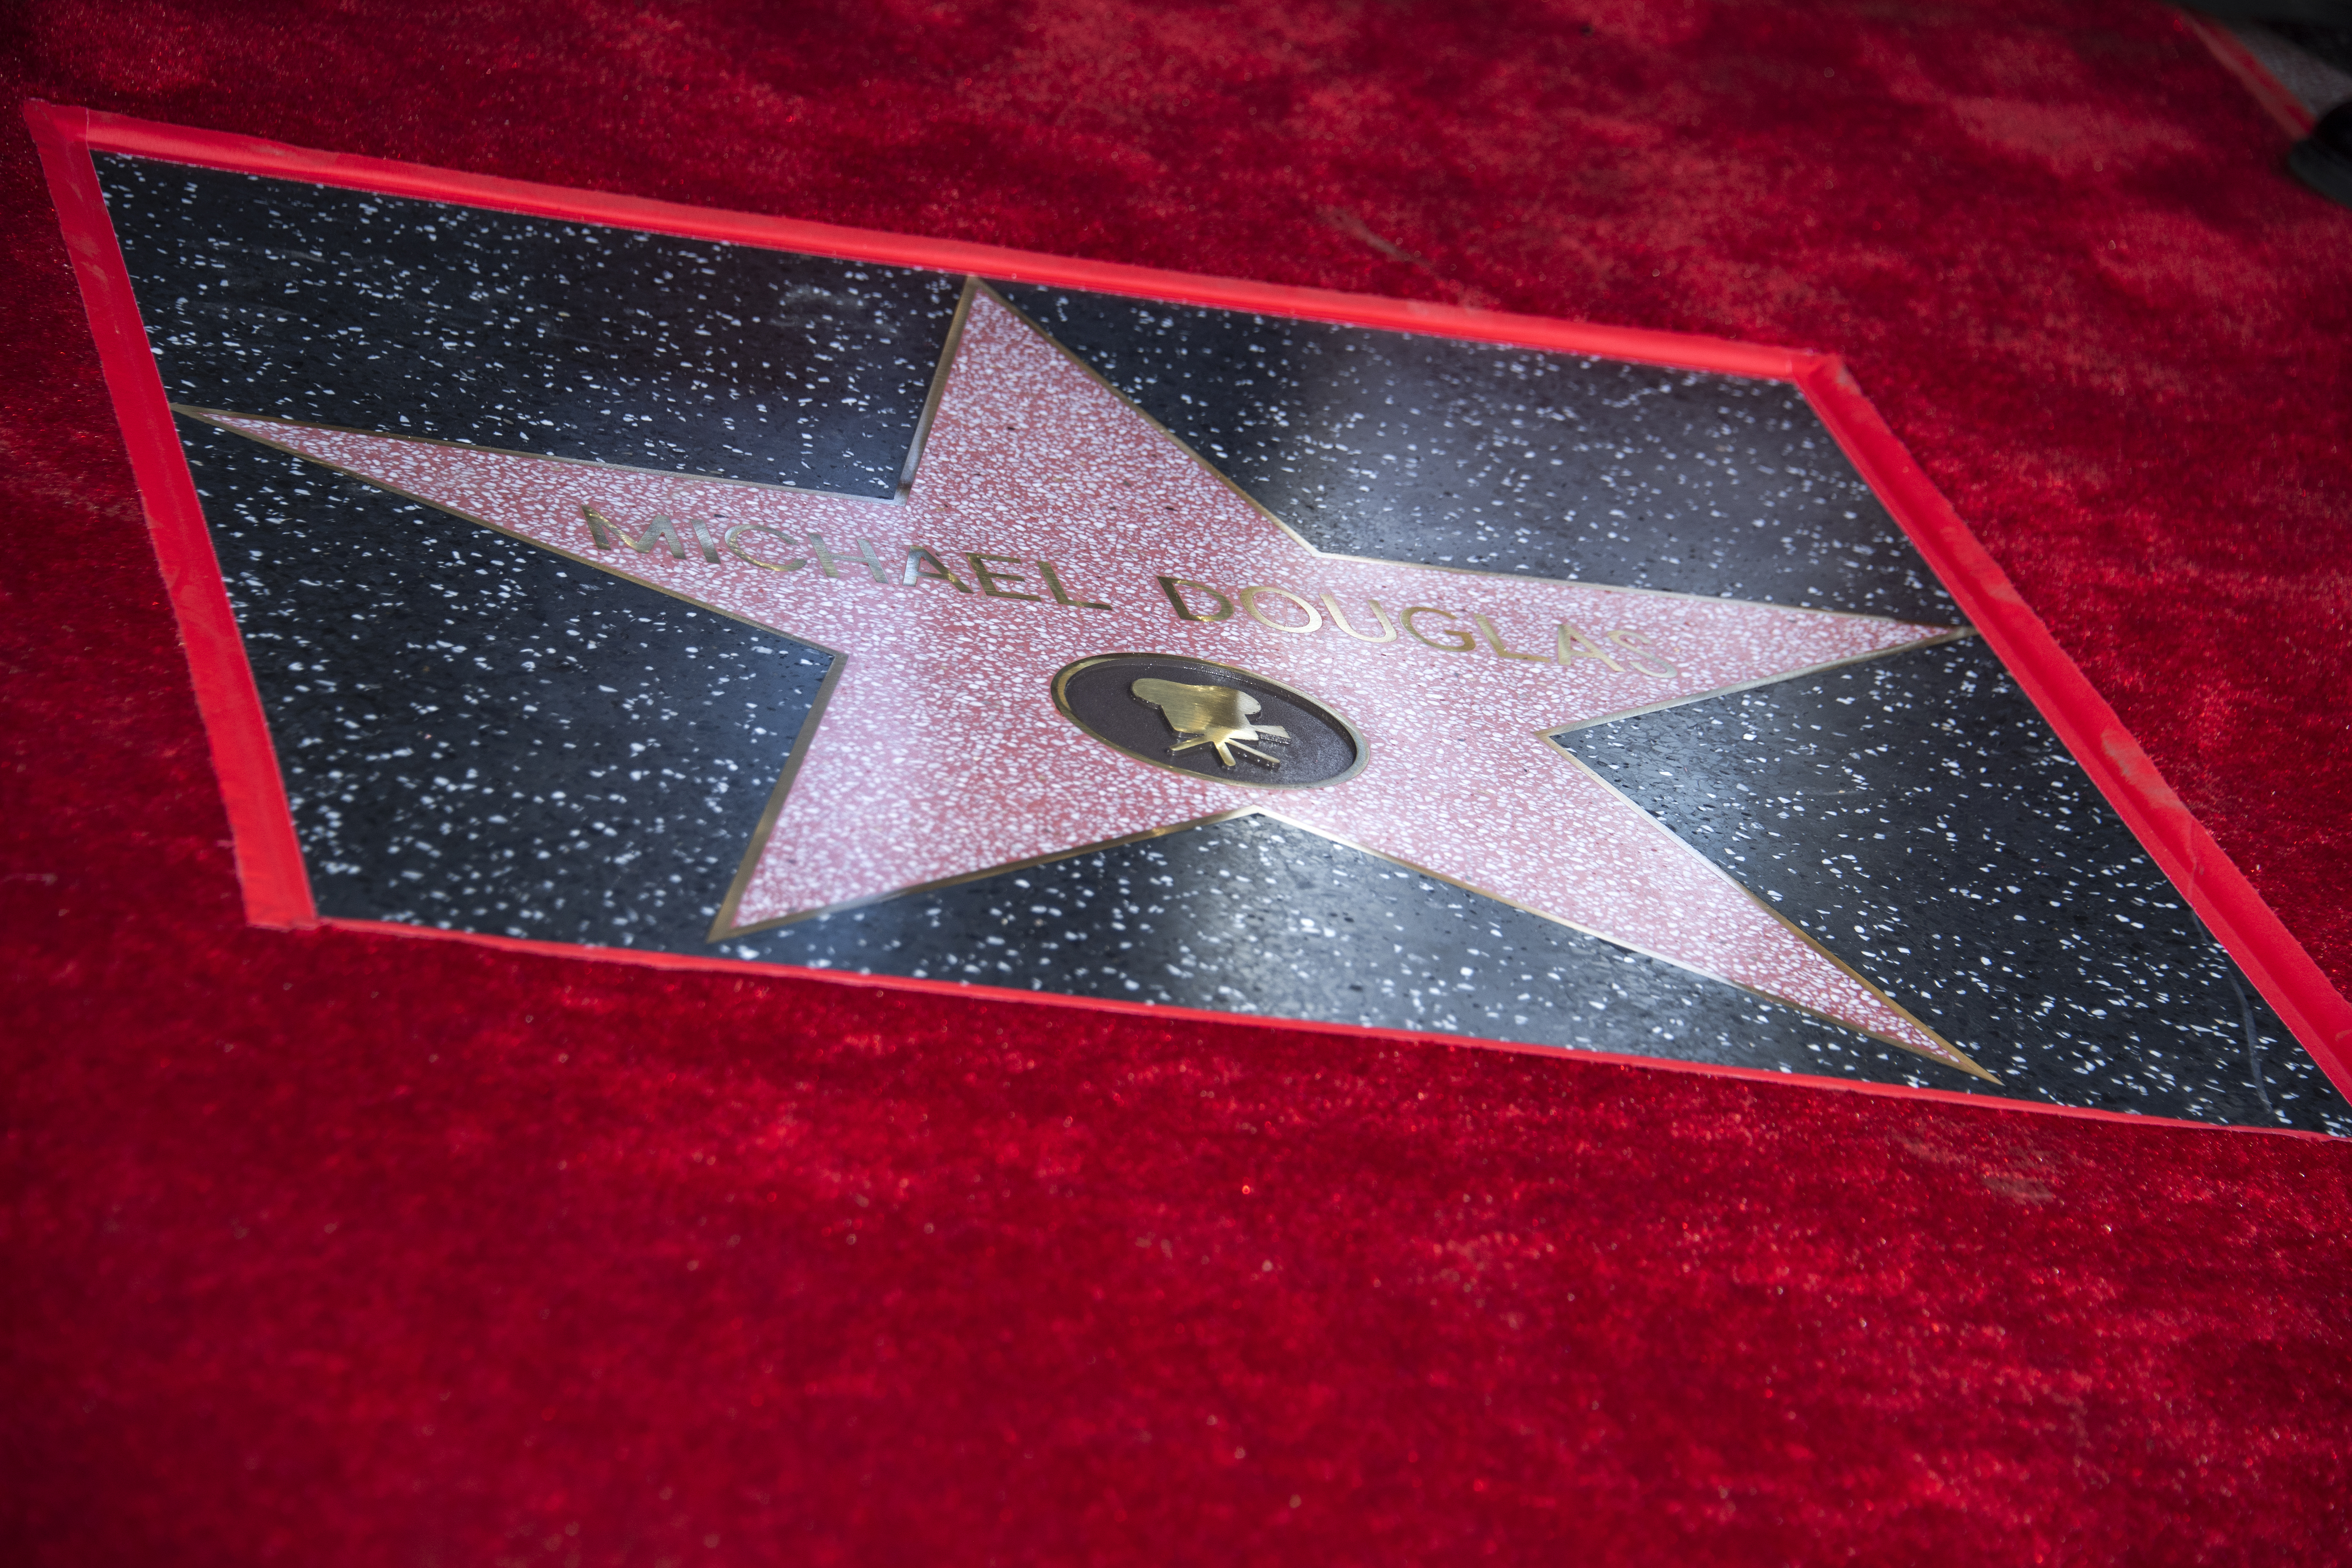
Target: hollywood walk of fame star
column 1049, row 521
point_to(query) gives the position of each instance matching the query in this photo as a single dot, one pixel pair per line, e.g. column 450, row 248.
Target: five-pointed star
column 1044, row 510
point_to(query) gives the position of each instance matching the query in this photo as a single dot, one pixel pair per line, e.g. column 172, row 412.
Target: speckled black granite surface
column 479, row 735
column 422, row 319
column 1256, row 916
column 1455, row 454
column 1919, row 818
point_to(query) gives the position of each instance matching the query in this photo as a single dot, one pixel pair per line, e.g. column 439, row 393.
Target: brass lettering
column 922, row 566
column 741, row 529
column 664, row 532
column 1466, row 643
column 702, row 538
column 1575, row 643
column 1495, row 641
column 1249, row 605
column 1169, row 585
column 987, row 579
column 1061, row 595
column 600, row 527
column 1639, row 646
column 828, row 562
column 1381, row 616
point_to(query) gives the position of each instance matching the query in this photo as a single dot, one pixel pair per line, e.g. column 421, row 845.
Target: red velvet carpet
column 331, row 1249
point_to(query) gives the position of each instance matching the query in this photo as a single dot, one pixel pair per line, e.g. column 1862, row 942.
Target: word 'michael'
column 768, row 547
column 1620, row 650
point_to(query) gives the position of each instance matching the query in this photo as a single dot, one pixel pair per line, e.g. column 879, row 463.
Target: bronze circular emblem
column 1214, row 719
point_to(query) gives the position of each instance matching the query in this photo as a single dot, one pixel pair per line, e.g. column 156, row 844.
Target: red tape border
column 269, row 858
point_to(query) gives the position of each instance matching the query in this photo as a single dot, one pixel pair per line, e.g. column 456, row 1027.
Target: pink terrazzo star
column 1043, row 512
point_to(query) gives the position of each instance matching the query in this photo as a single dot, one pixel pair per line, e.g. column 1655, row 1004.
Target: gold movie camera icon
column 1216, row 716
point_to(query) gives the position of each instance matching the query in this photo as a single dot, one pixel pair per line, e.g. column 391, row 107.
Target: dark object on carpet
column 2330, row 43
column 2313, row 13
column 2322, row 160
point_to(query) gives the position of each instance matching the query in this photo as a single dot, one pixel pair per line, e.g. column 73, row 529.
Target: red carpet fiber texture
column 338, row 1248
